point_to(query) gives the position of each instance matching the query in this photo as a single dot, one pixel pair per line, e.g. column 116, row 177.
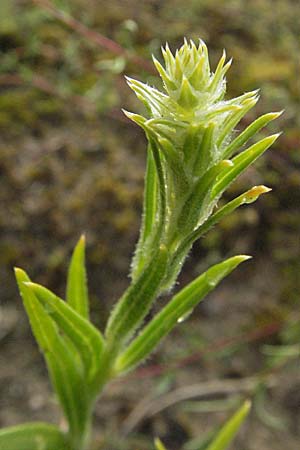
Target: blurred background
column 71, row 162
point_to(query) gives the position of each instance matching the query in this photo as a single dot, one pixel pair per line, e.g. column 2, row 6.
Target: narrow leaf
column 175, row 265
column 33, row 436
column 218, row 75
column 234, row 118
column 64, row 369
column 87, row 340
column 77, row 291
column 204, row 153
column 241, row 162
column 230, row 429
column 175, row 163
column 175, row 311
column 150, row 197
column 249, row 132
column 159, row 445
column 194, row 205
column 161, row 181
column 150, row 207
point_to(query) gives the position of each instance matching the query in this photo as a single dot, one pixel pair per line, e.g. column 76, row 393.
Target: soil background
column 70, row 162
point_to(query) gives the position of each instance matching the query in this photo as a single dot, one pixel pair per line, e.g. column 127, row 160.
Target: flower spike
column 191, row 128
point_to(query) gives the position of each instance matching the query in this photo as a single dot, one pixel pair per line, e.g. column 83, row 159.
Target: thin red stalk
column 93, row 36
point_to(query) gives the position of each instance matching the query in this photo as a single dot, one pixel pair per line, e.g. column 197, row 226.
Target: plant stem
column 80, row 438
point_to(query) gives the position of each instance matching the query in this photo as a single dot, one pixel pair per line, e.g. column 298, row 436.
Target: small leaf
column 155, row 101
column 234, row 118
column 150, row 197
column 180, row 305
column 230, row 429
column 150, row 207
column 206, row 148
column 175, row 265
column 161, row 180
column 64, row 369
column 195, row 204
column 169, row 84
column 33, row 436
column 159, row 445
column 249, row 132
column 241, row 162
column 77, row 291
column 219, row 73
column 175, row 163
column 187, row 96
column 87, row 340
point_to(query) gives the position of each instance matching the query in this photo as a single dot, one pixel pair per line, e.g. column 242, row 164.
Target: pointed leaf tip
column 277, row 114
column 258, row 190
column 276, row 135
column 77, row 291
column 269, row 140
column 229, row 430
column 159, row 445
column 128, row 79
column 242, row 258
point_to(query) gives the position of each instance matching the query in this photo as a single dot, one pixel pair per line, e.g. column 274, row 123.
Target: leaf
column 175, row 166
column 179, row 307
column 155, row 101
column 159, row 445
column 195, row 204
column 136, row 301
column 161, row 182
column 150, row 206
column 249, row 132
column 77, row 291
column 250, row 99
column 175, row 265
column 230, row 429
column 204, row 153
column 33, row 436
column 87, row 340
column 150, row 196
column 241, row 162
column 65, row 372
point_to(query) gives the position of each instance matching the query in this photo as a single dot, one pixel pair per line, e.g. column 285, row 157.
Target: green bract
column 191, row 133
column 192, row 158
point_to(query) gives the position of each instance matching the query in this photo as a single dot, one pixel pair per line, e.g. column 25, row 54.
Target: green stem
column 136, row 301
column 80, row 438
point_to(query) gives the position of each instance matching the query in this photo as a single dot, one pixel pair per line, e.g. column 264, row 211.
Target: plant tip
column 244, row 257
column 258, row 190
column 278, row 113
column 247, row 404
column 273, row 137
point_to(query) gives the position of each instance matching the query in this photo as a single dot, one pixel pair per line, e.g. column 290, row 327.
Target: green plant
column 192, row 159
